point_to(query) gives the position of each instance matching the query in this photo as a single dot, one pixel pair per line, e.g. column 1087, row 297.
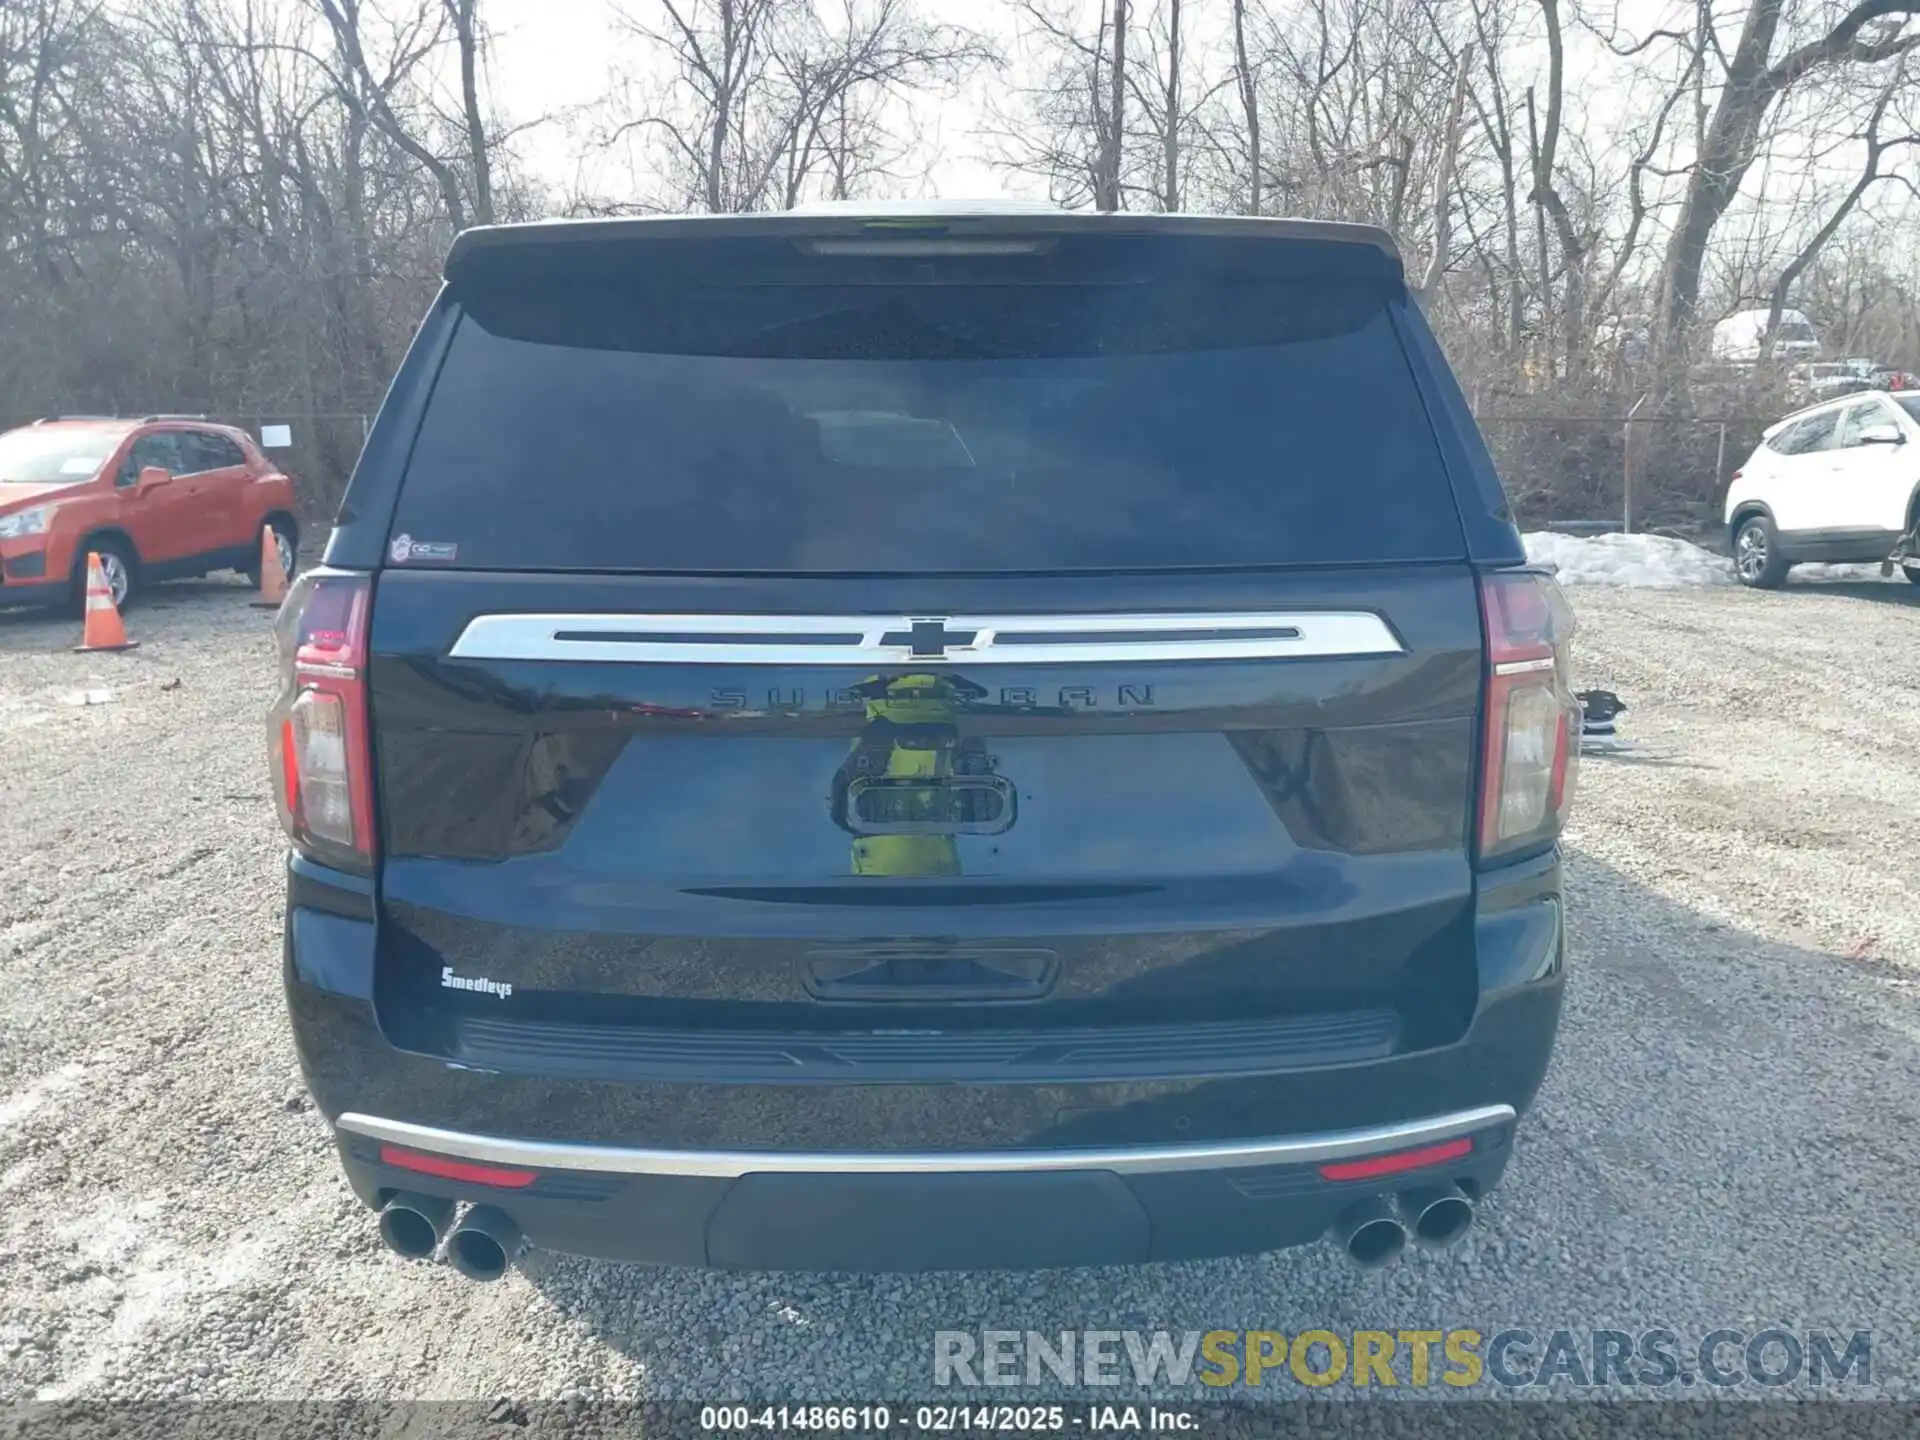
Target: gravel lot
column 1727, row 1139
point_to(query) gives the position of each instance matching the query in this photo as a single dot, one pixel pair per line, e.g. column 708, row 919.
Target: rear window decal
column 405, row 548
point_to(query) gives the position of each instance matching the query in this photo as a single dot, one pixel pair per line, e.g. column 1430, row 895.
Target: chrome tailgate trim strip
column 866, row 640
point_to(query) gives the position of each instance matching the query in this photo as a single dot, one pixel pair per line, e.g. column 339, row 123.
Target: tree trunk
column 1170, row 200
column 722, row 107
column 1249, row 104
column 1721, row 164
column 1546, row 195
column 1516, row 286
column 1109, row 197
column 1443, row 186
column 466, row 34
column 1542, row 258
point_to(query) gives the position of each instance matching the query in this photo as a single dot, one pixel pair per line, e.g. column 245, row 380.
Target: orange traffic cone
column 273, row 578
column 103, row 629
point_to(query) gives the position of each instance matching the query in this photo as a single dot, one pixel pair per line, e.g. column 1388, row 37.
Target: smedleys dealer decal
column 451, row 981
column 404, row 548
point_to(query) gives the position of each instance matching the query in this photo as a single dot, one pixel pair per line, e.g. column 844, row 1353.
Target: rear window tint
column 1191, row 420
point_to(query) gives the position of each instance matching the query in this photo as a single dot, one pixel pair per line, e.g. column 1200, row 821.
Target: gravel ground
column 1727, row 1137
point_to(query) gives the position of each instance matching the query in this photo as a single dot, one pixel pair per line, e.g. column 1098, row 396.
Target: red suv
column 156, row 499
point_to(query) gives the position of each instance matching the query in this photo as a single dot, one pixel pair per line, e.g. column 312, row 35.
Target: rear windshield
column 1183, row 420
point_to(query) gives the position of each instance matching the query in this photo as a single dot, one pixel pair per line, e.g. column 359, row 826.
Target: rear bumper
column 925, row 1210
column 933, row 1174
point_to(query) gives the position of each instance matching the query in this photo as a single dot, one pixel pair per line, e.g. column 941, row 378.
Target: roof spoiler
column 936, row 226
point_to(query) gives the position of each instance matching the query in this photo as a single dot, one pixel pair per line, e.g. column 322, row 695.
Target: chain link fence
column 1659, row 472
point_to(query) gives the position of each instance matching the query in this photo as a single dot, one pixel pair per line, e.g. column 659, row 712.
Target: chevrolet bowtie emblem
column 928, row 639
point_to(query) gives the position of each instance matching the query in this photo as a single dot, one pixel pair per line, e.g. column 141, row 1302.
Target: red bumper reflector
column 1377, row 1165
column 448, row 1169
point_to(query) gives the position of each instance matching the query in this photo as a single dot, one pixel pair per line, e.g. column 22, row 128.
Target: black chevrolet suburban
column 907, row 740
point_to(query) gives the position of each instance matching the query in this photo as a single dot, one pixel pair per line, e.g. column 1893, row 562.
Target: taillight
column 1530, row 750
column 322, row 765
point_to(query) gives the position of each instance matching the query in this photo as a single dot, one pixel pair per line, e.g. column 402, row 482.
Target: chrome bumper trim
column 728, row 1164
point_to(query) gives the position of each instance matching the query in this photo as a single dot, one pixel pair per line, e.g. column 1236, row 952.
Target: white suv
column 1838, row 481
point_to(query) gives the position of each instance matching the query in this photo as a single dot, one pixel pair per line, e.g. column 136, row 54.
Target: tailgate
column 737, row 844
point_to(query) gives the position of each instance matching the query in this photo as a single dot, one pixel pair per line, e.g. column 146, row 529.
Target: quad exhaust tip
column 1370, row 1233
column 1374, row 1233
column 411, row 1225
column 484, row 1243
column 1437, row 1216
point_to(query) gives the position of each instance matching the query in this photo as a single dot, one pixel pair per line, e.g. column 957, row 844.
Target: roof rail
column 52, row 419
column 149, row 419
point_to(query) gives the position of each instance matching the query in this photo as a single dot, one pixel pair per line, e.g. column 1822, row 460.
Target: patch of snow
column 1658, row 562
column 18, row 1106
column 1652, row 562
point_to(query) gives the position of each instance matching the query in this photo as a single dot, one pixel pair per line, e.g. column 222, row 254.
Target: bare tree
column 1755, row 78
column 1060, row 125
column 51, row 58
column 720, row 52
column 768, row 99
column 1877, row 146
column 223, row 178
column 1493, row 107
column 370, row 88
column 1640, row 203
column 1173, row 97
column 1359, row 99
column 384, row 68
